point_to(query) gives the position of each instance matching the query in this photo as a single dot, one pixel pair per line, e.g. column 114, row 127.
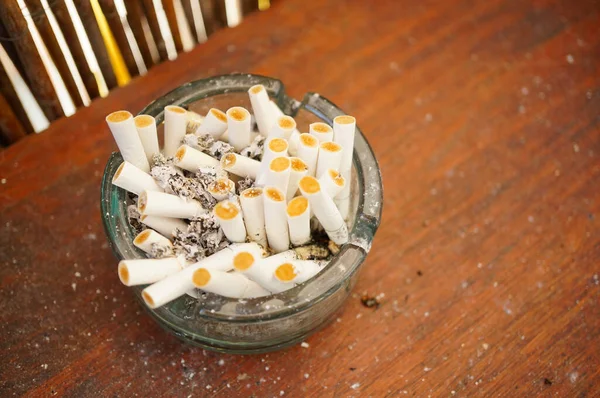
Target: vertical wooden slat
column 219, row 13
column 153, row 22
column 9, row 47
column 66, row 24
column 249, row 6
column 170, row 12
column 88, row 19
column 9, row 94
column 134, row 15
column 114, row 21
column 41, row 21
column 11, row 129
column 212, row 22
column 16, row 27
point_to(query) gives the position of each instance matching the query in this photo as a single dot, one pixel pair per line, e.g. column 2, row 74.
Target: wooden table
column 484, row 117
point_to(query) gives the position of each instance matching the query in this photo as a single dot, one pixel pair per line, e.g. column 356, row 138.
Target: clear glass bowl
column 274, row 322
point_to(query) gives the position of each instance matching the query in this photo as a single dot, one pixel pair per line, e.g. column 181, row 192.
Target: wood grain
column 484, row 118
column 11, row 129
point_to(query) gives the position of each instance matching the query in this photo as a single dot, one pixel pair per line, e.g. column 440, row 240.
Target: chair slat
column 212, row 20
column 10, row 95
column 114, row 21
column 148, row 7
column 135, row 15
column 11, row 129
column 170, row 12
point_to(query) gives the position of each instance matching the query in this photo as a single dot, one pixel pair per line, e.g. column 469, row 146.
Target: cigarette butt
column 332, row 182
column 239, row 127
column 164, row 225
column 308, row 151
column 146, row 128
column 175, row 127
column 221, row 189
column 166, row 205
column 123, row 129
column 251, row 201
column 344, row 128
column 283, row 127
column 148, row 238
column 278, row 174
column 293, row 139
column 321, row 131
column 134, row 180
column 297, row 271
column 330, row 156
column 178, row 284
column 191, row 159
column 145, row 271
column 298, row 218
column 260, row 270
column 193, row 122
column 274, row 147
column 261, row 106
column 215, row 123
column 230, row 218
column 299, row 170
column 275, row 219
column 239, row 165
column 325, row 210
column 223, row 283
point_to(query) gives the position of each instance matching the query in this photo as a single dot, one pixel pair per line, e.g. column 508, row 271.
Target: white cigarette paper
column 215, row 124
column 275, row 219
column 308, row 151
column 239, row 165
column 134, row 180
column 261, row 105
column 191, row 159
column 175, row 127
column 149, row 238
column 222, row 188
column 192, row 122
column 274, row 147
column 146, row 128
column 230, row 218
column 344, row 128
column 164, row 225
column 278, row 174
column 325, row 210
column 166, row 205
column 299, row 170
column 145, row 271
column 251, row 263
column 330, row 156
column 298, row 271
column 178, row 284
column 321, row 131
column 251, row 201
column 226, row 284
column 123, row 129
column 298, row 218
column 332, row 182
column 294, row 136
column 283, row 127
column 239, row 127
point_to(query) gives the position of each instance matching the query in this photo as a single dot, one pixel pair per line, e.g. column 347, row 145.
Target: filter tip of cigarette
column 123, row 273
column 219, row 114
column 180, row 153
column 175, row 109
column 252, row 192
column 228, row 160
column 118, row 116
column 308, row 140
column 148, row 299
column 320, row 127
column 331, row 146
column 274, row 194
column 344, row 119
column 221, row 186
column 299, row 165
column 226, row 210
column 201, row 277
column 257, row 89
column 238, row 113
column 142, row 237
column 286, row 122
column 337, row 178
column 243, row 260
column 278, row 145
column 297, row 206
column 280, row 164
column 309, row 185
column 143, row 121
column 119, row 170
column 285, row 272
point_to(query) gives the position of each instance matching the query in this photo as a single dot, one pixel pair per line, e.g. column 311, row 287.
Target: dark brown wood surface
column 484, row 118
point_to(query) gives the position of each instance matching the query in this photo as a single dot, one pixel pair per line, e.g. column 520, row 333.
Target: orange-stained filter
column 297, row 206
column 309, row 185
column 118, row 116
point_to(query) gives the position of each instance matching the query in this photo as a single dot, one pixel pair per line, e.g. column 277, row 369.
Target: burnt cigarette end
column 201, row 277
column 257, row 89
column 242, row 261
column 297, row 206
column 142, row 202
column 226, row 210
column 298, row 165
column 309, row 185
column 278, row 145
column 252, row 192
column 285, row 272
column 280, row 164
column 321, row 127
column 344, row 119
column 286, row 122
column 228, row 160
column 180, row 153
column 219, row 115
column 331, row 146
column 118, row 116
column 222, row 185
column 238, row 114
column 175, row 109
column 274, row 194
column 148, row 299
column 142, row 237
column 143, row 121
column 123, row 273
column 308, row 140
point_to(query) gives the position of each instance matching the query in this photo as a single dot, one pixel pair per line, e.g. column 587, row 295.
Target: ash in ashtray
column 202, row 238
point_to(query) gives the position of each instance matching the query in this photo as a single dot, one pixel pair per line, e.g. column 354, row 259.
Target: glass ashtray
column 268, row 323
